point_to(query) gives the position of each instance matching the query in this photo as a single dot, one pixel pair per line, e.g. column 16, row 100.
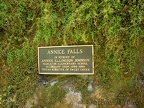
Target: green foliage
column 115, row 28
column 3, row 13
column 26, row 55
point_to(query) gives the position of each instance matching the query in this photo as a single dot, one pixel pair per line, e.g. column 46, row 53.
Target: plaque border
column 67, row 73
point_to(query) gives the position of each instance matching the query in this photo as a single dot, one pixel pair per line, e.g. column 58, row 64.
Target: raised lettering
column 75, row 51
column 56, row 52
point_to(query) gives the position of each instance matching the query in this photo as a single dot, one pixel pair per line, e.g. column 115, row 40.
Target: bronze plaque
column 71, row 60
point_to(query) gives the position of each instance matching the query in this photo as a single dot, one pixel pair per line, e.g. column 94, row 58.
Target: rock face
column 129, row 106
column 74, row 99
column 92, row 106
column 90, row 87
column 34, row 99
column 38, row 92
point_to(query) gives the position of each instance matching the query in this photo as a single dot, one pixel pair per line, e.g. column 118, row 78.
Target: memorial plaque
column 76, row 59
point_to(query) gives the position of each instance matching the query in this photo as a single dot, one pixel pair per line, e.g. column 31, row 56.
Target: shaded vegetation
column 115, row 28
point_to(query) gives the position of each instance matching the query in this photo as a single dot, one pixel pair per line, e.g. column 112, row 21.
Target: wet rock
column 34, row 99
column 42, row 81
column 92, row 106
column 129, row 106
column 90, row 87
column 74, row 99
column 53, row 83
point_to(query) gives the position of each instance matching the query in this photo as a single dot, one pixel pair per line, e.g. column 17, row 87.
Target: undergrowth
column 115, row 28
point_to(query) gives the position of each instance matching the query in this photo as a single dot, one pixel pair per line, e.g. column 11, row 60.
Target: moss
column 50, row 96
column 115, row 28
